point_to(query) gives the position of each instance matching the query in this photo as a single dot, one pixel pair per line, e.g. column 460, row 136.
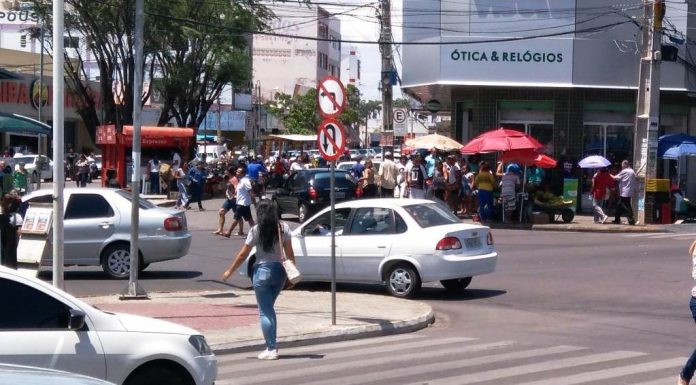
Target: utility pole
column 385, row 48
column 219, row 119
column 58, row 142
column 648, row 107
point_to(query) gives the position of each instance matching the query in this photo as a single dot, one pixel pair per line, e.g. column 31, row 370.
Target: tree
column 299, row 115
column 402, row 103
column 191, row 42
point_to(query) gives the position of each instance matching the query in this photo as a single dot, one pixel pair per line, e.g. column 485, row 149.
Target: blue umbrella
column 683, row 149
column 667, row 142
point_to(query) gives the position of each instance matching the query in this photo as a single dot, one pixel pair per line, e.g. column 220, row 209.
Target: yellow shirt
column 484, row 181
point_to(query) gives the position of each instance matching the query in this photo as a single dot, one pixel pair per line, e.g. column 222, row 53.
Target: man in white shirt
column 298, row 164
column 388, row 172
column 176, row 161
column 245, row 198
column 627, row 185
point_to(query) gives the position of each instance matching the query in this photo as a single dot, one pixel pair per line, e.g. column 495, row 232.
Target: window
column 23, row 41
column 144, row 204
column 28, row 308
column 372, row 220
column 88, row 206
column 71, row 42
column 323, row 31
column 322, row 225
column 431, row 214
column 298, row 180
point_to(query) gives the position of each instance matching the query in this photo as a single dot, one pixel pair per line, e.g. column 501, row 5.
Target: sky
column 361, row 25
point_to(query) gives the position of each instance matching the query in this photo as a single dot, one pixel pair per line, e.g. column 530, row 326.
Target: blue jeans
column 269, row 279
column 687, row 372
column 485, row 204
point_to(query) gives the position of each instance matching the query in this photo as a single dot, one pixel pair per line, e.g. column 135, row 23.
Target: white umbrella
column 594, row 161
column 440, row 142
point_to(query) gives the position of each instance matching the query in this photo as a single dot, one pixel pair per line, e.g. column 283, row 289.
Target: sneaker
column 604, row 219
column 268, row 355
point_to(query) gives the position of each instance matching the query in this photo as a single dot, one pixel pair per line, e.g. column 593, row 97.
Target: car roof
column 96, row 190
column 383, row 202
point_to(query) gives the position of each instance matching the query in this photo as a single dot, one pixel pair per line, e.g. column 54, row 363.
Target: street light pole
column 58, row 142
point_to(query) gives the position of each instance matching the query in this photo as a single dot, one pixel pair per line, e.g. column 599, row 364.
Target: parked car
column 96, row 166
column 400, row 242
column 19, row 374
column 353, row 154
column 46, row 327
column 97, row 229
column 45, row 172
column 305, row 192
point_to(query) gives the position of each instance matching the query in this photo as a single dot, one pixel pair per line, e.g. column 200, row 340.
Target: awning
column 155, row 131
column 292, row 138
column 23, row 124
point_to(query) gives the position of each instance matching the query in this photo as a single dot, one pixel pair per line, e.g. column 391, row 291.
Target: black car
column 305, row 192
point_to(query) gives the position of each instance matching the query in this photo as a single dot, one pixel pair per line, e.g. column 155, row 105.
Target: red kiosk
column 114, row 145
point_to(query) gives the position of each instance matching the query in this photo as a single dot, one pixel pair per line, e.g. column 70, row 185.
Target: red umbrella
column 529, row 158
column 406, row 150
column 501, row 139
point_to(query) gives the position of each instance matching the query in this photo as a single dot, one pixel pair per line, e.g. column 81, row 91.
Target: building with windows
column 350, row 67
column 564, row 71
column 293, row 65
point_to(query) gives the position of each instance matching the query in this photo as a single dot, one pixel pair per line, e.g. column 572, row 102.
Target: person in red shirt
column 601, row 183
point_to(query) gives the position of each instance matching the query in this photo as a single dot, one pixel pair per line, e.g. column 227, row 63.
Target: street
column 601, row 294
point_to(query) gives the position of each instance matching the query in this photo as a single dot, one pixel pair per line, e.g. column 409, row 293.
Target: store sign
column 522, row 62
column 20, row 92
column 18, row 17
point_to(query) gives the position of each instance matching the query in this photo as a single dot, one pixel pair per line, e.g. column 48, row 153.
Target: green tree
column 299, row 115
column 402, row 103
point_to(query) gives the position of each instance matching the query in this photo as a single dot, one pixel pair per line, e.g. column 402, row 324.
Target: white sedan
column 45, row 172
column 400, row 242
column 46, row 327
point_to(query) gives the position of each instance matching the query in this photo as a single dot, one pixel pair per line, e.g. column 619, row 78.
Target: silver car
column 97, row 229
column 18, row 374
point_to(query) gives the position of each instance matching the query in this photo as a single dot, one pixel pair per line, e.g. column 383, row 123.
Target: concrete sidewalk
column 230, row 322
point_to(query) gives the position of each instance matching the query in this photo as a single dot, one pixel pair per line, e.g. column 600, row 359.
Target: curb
column 343, row 334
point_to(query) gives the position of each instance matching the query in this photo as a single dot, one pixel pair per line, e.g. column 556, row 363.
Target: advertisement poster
column 570, row 191
column 37, row 220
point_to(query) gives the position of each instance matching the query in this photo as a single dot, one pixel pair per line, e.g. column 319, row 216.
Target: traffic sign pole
column 332, row 196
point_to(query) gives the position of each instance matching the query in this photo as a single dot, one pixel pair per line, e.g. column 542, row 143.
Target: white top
column 176, row 161
column 508, row 184
column 627, row 182
column 268, row 256
column 153, row 167
column 297, row 166
column 692, row 249
column 244, row 192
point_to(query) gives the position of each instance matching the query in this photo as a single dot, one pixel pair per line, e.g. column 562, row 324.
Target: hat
column 388, row 153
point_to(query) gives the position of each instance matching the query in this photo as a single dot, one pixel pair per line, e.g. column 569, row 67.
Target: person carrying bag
column 273, row 242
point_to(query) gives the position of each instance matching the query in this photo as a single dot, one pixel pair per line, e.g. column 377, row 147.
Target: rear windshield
column 343, row 180
column 144, row 204
column 431, row 214
column 25, row 159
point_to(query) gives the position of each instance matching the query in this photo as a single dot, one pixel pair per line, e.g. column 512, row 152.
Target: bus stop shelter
column 114, row 145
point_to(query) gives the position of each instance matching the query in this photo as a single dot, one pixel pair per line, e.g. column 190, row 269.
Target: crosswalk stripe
column 386, row 348
column 328, row 347
column 413, row 370
column 661, row 381
column 612, row 373
column 641, row 235
column 496, row 374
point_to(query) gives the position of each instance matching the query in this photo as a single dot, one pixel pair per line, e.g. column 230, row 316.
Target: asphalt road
column 627, row 291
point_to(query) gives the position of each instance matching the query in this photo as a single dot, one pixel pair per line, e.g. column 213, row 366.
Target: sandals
column 226, row 235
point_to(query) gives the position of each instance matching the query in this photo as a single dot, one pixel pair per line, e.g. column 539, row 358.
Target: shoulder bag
column 294, row 275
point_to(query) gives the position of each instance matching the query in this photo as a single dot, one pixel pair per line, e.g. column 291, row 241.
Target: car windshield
column 431, row 214
column 25, row 159
column 343, row 180
column 144, row 204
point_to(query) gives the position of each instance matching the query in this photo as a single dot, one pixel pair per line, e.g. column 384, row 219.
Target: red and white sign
column 331, row 97
column 331, row 140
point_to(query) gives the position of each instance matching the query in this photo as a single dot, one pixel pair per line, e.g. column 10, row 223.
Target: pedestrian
column 10, row 222
column 439, row 184
column 245, row 198
column 627, row 185
column 484, row 183
column 601, row 183
column 70, row 160
column 466, row 189
column 358, row 168
column 388, row 173
column 197, row 176
column 453, row 178
column 416, row 175
column 687, row 372
column 401, row 178
column 6, row 182
column 298, row 164
column 269, row 276
column 20, row 179
column 154, row 170
column 509, row 182
column 430, row 162
column 182, row 183
column 230, row 202
column 82, row 166
column 367, row 181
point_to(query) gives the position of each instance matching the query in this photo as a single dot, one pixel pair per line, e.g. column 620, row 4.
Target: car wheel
column 116, row 261
column 456, row 285
column 567, row 215
column 403, row 281
column 303, row 213
column 158, row 375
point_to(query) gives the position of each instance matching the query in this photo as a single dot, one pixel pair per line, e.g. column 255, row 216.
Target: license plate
column 339, row 194
column 472, row 243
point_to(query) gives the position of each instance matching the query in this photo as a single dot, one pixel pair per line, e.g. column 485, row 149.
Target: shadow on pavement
column 101, row 276
column 434, row 293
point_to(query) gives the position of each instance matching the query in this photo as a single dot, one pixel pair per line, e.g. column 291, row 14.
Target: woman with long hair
column 268, row 273
column 368, row 181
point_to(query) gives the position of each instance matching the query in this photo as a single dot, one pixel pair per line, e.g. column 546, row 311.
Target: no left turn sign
column 331, row 97
column 331, row 140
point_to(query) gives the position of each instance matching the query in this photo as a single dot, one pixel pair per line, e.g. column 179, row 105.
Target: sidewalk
column 230, row 322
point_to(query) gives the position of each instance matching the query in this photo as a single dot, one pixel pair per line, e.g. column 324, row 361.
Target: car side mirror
column 77, row 319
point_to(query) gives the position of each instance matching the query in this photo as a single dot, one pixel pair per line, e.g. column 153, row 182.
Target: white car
column 46, row 327
column 18, row 374
column 97, row 229
column 45, row 172
column 400, row 242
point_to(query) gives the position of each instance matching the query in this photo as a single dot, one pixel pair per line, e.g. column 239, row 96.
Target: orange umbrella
column 529, row 158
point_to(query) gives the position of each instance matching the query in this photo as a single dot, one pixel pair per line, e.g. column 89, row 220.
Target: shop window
column 23, row 41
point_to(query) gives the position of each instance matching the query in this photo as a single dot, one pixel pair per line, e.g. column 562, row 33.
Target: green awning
column 23, row 124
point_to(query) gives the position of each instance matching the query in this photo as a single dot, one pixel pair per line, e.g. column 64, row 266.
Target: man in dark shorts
column 230, row 202
column 245, row 198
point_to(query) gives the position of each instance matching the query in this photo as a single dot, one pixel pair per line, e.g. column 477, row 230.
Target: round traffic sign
column 331, row 140
column 331, row 97
column 400, row 115
column 433, row 106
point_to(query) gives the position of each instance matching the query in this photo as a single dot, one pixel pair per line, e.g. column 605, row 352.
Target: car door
column 312, row 245
column 367, row 243
column 34, row 332
column 89, row 222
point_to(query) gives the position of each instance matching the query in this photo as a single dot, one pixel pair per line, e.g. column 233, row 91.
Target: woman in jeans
column 687, row 372
column 268, row 272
